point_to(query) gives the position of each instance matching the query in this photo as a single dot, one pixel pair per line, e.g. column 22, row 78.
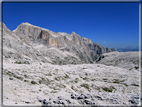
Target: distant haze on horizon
column 113, row 25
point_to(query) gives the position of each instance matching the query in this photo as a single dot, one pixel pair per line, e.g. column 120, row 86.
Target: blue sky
column 109, row 24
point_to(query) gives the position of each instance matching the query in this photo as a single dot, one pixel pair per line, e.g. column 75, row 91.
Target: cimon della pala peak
column 65, row 46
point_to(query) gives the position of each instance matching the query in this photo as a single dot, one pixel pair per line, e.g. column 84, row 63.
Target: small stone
column 11, row 78
column 54, row 101
column 81, row 101
column 68, row 101
column 88, row 96
column 40, row 100
column 60, row 97
column 61, row 102
column 49, row 99
column 45, row 102
column 98, row 97
column 132, row 101
column 74, row 96
column 135, row 97
column 87, row 101
column 82, row 96
column 93, row 103
column 27, row 102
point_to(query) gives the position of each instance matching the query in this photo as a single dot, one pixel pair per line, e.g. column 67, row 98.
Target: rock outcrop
column 92, row 100
column 81, row 47
column 127, row 60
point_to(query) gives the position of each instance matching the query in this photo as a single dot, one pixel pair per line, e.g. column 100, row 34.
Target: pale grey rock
column 90, row 84
column 16, row 47
column 127, row 60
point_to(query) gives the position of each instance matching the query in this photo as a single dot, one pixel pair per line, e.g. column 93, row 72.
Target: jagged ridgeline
column 32, row 42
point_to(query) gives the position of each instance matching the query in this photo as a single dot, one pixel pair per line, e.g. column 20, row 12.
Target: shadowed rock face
column 82, row 47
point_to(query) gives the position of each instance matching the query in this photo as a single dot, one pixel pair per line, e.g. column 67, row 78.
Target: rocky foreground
column 95, row 99
column 41, row 83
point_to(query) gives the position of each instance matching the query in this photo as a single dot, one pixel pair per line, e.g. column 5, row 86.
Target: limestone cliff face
column 82, row 47
column 16, row 48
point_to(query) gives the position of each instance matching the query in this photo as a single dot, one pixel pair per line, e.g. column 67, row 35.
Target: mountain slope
column 127, row 60
column 21, row 51
column 14, row 47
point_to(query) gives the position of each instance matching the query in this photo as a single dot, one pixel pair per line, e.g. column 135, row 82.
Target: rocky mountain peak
column 95, row 43
column 86, row 40
column 2, row 24
column 73, row 33
column 74, row 43
column 27, row 23
column 5, row 29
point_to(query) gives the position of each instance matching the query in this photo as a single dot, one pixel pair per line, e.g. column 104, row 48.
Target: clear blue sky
column 109, row 24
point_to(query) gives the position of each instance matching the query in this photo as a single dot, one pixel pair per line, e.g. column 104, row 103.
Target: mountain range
column 128, row 48
column 56, row 48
